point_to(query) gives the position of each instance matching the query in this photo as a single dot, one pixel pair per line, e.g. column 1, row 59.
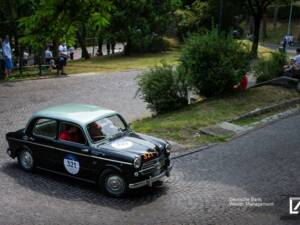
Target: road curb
column 35, row 78
column 267, row 109
column 284, row 104
column 183, row 153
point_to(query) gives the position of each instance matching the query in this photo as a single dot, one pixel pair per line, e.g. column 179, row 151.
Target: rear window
column 45, row 128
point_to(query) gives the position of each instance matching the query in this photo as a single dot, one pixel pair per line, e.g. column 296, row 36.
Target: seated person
column 293, row 68
column 95, row 132
column 73, row 134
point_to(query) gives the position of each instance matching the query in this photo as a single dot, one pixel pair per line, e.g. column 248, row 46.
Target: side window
column 71, row 132
column 45, row 128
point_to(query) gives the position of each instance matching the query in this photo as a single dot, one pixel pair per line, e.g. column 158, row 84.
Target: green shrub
column 267, row 69
column 149, row 44
column 214, row 63
column 163, row 88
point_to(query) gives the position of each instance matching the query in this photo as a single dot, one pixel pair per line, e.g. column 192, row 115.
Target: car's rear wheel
column 26, row 160
column 113, row 183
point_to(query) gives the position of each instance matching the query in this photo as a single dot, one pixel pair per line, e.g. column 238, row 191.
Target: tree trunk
column 113, row 46
column 81, row 39
column 257, row 22
column 100, row 44
column 298, row 36
column 251, row 25
column 264, row 27
column 55, row 47
column 275, row 17
column 108, row 47
column 127, row 49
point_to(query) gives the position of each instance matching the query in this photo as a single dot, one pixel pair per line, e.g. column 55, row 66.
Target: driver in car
column 95, row 132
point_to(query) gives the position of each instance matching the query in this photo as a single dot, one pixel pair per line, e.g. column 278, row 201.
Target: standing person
column 25, row 57
column 7, row 57
column 48, row 55
column 63, row 52
column 71, row 52
column 60, row 64
column 284, row 43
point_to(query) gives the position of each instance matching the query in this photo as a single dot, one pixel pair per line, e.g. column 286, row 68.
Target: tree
column 140, row 24
column 10, row 12
column 199, row 14
column 275, row 16
column 256, row 9
column 56, row 21
column 192, row 18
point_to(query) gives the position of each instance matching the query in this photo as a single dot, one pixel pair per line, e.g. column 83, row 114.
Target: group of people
column 6, row 57
column 61, row 61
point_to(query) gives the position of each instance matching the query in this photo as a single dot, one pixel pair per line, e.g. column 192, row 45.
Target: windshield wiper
column 115, row 136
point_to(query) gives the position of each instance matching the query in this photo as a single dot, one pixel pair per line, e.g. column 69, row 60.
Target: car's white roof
column 76, row 113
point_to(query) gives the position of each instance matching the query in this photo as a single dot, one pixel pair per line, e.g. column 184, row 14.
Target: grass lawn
column 249, row 120
column 121, row 62
column 262, row 52
column 182, row 126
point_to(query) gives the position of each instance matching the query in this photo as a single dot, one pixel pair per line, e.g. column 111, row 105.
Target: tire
column 112, row 183
column 26, row 160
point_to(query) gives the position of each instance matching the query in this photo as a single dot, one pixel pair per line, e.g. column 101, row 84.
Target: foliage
column 269, row 68
column 192, row 18
column 214, row 62
column 140, row 24
column 58, row 20
column 183, row 125
column 257, row 9
column 163, row 88
column 203, row 14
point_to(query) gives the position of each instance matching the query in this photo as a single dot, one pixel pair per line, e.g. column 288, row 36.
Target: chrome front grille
column 153, row 164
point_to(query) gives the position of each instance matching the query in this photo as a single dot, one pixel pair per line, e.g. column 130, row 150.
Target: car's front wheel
column 113, row 183
column 26, row 160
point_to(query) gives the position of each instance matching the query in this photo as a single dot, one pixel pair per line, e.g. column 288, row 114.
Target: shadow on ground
column 73, row 190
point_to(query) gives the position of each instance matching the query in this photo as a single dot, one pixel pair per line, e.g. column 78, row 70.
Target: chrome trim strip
column 95, row 157
column 66, row 175
column 150, row 180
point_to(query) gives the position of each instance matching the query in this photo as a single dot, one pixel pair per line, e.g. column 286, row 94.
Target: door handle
column 86, row 150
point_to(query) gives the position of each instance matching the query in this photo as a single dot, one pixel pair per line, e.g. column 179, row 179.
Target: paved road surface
column 262, row 164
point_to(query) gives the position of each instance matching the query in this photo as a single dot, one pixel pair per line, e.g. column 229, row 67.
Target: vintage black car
column 91, row 144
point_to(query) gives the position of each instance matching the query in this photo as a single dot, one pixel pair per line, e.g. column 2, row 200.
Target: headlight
column 168, row 148
column 137, row 162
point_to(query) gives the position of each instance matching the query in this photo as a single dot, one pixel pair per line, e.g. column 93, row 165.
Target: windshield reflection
column 109, row 127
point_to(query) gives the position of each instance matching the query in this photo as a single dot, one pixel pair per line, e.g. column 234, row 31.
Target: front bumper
column 150, row 180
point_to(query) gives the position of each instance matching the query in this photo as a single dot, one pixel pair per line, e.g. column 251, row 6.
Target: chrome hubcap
column 115, row 184
column 26, row 160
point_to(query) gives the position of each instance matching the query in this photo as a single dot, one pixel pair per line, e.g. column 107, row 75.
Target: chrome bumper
column 148, row 182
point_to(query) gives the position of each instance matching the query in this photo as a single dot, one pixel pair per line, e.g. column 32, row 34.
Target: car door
column 74, row 158
column 43, row 137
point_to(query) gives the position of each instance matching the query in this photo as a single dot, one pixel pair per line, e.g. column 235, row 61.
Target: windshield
column 106, row 128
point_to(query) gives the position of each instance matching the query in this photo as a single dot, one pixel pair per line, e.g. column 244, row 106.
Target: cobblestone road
column 262, row 164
